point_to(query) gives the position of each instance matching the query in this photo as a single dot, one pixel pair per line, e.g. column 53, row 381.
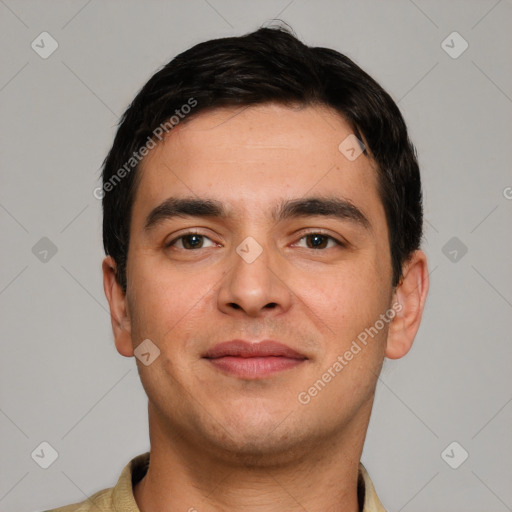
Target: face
column 259, row 262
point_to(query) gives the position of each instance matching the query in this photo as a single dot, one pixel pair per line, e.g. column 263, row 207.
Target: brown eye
column 319, row 241
column 189, row 241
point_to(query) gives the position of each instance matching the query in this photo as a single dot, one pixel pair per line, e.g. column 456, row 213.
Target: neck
column 184, row 476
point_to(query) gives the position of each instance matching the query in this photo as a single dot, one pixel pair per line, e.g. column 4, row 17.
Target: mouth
column 253, row 360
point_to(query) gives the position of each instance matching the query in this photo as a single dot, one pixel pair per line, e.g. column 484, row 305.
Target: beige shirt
column 120, row 498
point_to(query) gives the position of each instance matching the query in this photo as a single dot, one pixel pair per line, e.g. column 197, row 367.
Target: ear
column 408, row 302
column 119, row 313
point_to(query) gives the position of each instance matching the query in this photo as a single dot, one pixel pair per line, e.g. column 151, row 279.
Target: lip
column 253, row 360
column 241, row 348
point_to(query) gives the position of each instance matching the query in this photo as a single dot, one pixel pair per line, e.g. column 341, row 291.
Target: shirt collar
column 124, row 501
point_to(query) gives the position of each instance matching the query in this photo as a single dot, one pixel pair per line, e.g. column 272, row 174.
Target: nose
column 255, row 287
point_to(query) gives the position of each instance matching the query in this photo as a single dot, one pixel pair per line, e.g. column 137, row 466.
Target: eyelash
column 325, row 235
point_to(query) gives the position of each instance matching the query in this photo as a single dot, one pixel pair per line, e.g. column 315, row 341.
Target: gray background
column 62, row 380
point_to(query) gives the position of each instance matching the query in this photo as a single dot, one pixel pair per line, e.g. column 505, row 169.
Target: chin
column 257, row 442
column 263, row 452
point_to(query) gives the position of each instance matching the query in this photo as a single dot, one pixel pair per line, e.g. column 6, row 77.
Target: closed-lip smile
column 253, row 360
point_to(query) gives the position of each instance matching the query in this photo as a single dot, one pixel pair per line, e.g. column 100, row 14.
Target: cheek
column 347, row 299
column 168, row 307
column 168, row 302
column 156, row 300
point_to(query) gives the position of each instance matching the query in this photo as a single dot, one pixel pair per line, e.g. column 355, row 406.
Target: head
column 250, row 132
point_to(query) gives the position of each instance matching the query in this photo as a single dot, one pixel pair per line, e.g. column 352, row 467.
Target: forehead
column 250, row 157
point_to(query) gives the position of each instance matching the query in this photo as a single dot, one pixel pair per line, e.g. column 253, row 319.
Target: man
column 262, row 225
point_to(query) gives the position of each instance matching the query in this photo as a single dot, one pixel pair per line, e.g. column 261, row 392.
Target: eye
column 320, row 241
column 190, row 241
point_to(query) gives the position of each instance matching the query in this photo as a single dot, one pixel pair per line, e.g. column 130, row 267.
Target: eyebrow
column 295, row 208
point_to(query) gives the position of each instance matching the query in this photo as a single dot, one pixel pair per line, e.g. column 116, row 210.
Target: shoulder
column 98, row 502
column 115, row 498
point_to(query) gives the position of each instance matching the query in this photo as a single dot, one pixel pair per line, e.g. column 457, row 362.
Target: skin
column 220, row 442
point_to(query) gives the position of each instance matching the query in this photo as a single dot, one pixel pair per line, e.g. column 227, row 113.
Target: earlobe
column 119, row 314
column 410, row 296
